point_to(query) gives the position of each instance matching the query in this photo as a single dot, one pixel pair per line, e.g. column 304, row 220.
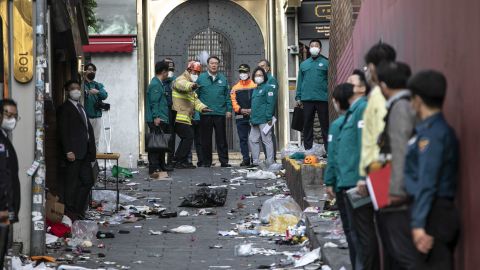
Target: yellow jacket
column 185, row 100
column 373, row 120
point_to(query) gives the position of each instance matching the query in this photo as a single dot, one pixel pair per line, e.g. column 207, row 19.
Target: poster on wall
column 115, row 17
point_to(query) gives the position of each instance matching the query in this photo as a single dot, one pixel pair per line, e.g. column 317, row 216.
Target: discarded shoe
column 165, row 214
column 104, row 235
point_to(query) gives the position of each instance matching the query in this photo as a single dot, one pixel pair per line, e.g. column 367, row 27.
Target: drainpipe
column 37, row 236
column 271, row 24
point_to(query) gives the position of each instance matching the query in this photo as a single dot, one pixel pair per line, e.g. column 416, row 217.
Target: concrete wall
column 24, row 143
column 118, row 72
column 442, row 35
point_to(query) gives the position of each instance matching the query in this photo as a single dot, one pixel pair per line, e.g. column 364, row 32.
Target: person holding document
column 261, row 116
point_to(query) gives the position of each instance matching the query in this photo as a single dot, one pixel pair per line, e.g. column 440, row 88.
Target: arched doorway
column 220, row 28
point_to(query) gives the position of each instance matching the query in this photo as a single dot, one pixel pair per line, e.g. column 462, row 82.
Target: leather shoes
column 226, row 165
column 245, row 163
column 167, row 168
column 207, row 165
column 184, row 166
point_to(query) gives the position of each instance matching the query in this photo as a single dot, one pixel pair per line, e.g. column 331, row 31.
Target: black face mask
column 91, row 76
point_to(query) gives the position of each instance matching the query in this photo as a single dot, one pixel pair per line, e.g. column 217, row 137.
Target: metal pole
column 37, row 237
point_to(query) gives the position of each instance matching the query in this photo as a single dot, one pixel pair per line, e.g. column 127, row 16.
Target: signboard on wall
column 314, row 20
column 22, row 41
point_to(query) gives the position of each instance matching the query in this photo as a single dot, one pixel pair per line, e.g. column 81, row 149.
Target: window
column 115, row 17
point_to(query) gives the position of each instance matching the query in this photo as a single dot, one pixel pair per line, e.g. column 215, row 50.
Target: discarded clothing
column 206, row 197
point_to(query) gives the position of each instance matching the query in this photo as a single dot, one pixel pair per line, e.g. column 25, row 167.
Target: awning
column 107, row 44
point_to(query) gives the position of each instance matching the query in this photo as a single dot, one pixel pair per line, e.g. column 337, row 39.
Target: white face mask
column 243, row 76
column 9, row 124
column 259, row 80
column 170, row 74
column 75, row 94
column 314, row 51
column 194, row 77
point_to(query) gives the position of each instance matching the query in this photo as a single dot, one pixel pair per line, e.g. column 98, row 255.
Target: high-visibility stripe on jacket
column 241, row 95
column 185, row 100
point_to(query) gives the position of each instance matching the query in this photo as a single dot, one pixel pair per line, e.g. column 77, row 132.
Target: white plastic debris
column 261, row 175
column 183, row 214
column 184, row 229
column 152, row 232
column 308, row 258
column 67, row 221
column 330, row 245
column 110, row 196
column 50, row 239
column 326, row 267
column 243, row 250
column 227, row 233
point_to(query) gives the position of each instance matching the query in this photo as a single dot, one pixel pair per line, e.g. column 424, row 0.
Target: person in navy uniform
column 431, row 174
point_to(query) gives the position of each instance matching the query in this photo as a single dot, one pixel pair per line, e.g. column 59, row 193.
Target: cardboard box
column 54, row 210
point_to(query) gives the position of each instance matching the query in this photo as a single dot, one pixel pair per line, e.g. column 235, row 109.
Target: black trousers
column 156, row 160
column 443, row 224
column 396, row 235
column 365, row 228
column 208, row 123
column 186, row 134
column 347, row 225
column 197, row 141
column 309, row 109
column 171, row 155
column 78, row 183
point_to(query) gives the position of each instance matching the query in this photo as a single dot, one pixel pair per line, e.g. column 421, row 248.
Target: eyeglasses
column 10, row 115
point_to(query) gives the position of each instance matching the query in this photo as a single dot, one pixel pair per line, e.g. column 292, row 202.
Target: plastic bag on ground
column 262, row 175
column 184, row 229
column 317, row 150
column 291, row 149
column 206, row 197
column 84, row 230
column 280, row 205
column 275, row 167
column 279, row 223
column 110, row 196
column 243, row 250
column 308, row 258
column 121, row 172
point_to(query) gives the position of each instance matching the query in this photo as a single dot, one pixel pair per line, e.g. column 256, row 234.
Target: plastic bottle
column 130, row 161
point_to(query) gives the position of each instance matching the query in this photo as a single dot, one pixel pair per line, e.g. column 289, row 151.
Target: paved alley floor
column 140, row 250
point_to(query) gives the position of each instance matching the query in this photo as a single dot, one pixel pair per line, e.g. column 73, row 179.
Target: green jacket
column 90, row 100
column 215, row 94
column 348, row 146
column 272, row 80
column 312, row 82
column 157, row 104
column 264, row 99
column 330, row 176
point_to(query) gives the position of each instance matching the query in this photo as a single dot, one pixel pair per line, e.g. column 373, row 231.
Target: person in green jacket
column 341, row 94
column 214, row 92
column 263, row 107
column 312, row 93
column 94, row 93
column 265, row 64
column 157, row 116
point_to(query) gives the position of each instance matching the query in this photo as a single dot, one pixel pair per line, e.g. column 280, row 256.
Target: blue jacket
column 312, row 82
column 330, row 177
column 431, row 166
column 264, row 99
column 214, row 93
column 167, row 83
column 348, row 145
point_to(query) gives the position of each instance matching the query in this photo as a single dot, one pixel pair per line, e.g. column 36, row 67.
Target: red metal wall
column 443, row 35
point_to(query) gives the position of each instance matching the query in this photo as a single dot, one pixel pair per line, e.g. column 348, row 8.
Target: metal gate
column 219, row 27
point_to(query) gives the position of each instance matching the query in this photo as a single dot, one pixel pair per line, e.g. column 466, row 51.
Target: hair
column 160, row 67
column 90, row 65
column 363, row 80
column 342, row 93
column 431, row 86
column 7, row 102
column 394, row 74
column 315, row 40
column 380, row 52
column 266, row 62
column 68, row 83
column 265, row 78
column 213, row 57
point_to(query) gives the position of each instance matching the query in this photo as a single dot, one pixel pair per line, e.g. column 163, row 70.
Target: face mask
column 75, row 94
column 91, row 76
column 314, row 51
column 9, row 124
column 243, row 76
column 258, row 80
column 170, row 74
column 194, row 77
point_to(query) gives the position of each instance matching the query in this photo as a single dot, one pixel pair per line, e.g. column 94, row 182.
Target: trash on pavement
column 83, row 230
column 275, row 167
column 216, row 246
column 317, row 150
column 110, row 196
column 308, row 258
column 152, row 232
column 279, row 205
column 104, row 235
column 261, row 175
column 183, row 214
column 244, row 250
column 206, row 197
column 227, row 233
column 50, row 239
column 121, row 172
column 184, row 229
column 280, row 223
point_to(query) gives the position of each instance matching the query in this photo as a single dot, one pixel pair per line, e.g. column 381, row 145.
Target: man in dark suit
column 9, row 122
column 77, row 143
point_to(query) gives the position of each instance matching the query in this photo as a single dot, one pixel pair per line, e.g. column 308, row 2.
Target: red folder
column 378, row 183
